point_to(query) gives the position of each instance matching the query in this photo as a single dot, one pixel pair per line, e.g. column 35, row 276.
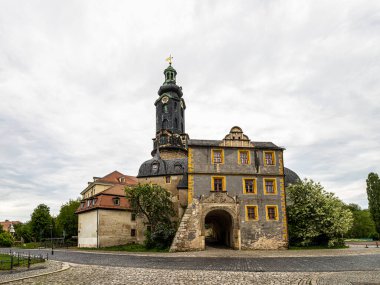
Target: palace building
column 229, row 192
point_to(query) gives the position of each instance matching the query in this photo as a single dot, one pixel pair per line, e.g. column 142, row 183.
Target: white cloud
column 78, row 80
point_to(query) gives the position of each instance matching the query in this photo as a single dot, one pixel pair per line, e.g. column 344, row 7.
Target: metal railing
column 11, row 259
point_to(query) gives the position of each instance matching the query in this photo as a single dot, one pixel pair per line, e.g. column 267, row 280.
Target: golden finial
column 170, row 59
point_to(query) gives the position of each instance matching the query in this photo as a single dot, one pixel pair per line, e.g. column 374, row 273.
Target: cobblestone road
column 351, row 266
column 367, row 262
column 92, row 274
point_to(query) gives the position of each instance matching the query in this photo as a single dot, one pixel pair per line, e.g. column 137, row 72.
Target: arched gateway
column 218, row 228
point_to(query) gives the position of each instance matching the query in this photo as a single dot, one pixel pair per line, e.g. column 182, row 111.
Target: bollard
column 11, row 262
column 377, row 244
column 366, row 246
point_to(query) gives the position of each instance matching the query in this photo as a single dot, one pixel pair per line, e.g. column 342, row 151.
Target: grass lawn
column 316, row 247
column 29, row 245
column 126, row 247
column 5, row 261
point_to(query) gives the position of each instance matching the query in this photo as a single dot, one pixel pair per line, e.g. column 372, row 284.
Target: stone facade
column 104, row 215
column 225, row 210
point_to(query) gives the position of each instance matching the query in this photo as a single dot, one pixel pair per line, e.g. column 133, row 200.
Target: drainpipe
column 97, row 228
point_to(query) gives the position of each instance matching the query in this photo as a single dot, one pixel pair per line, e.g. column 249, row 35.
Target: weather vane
column 170, row 59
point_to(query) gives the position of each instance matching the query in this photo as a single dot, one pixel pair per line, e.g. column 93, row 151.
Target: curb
column 65, row 266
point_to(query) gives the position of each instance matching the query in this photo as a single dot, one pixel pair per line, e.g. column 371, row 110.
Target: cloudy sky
column 78, row 80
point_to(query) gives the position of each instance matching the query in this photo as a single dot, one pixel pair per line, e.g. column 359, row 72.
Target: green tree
column 40, row 222
column 315, row 217
column 24, row 232
column 67, row 220
column 6, row 239
column 363, row 225
column 154, row 203
column 373, row 194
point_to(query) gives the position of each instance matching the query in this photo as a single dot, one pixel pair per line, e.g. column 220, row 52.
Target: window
column 155, row 167
column 94, row 202
column 88, row 203
column 270, row 186
column 82, row 204
column 167, row 179
column 165, row 124
column 249, row 185
column 272, row 213
column 133, row 217
column 175, row 123
column 175, row 106
column 116, row 201
column 165, row 108
column 217, row 156
column 218, row 184
column 178, row 168
column 251, row 213
column 243, row 157
column 122, row 179
column 133, row 232
column 269, row 158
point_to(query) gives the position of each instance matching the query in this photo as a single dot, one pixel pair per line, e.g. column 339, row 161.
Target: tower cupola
column 170, row 116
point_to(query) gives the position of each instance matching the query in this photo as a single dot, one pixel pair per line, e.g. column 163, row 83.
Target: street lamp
column 12, row 230
column 51, row 239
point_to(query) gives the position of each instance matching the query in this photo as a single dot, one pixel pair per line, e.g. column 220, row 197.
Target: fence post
column 11, row 262
column 28, row 261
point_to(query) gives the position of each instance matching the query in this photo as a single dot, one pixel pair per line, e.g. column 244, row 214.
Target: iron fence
column 11, row 259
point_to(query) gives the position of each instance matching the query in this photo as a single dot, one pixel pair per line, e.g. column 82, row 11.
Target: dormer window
column 116, row 201
column 155, row 167
column 122, row 179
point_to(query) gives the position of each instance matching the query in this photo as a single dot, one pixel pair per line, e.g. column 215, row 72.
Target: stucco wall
column 87, row 227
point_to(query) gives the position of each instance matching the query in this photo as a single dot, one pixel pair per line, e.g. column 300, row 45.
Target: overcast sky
column 78, row 80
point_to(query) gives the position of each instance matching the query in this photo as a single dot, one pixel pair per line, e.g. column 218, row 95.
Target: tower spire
column 170, row 59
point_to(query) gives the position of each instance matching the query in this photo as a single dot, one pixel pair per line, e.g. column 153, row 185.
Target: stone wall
column 115, row 228
column 257, row 234
column 179, row 198
column 189, row 234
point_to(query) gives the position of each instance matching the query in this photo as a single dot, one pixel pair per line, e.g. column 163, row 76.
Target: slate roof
column 290, row 177
column 183, row 183
column 165, row 167
column 262, row 145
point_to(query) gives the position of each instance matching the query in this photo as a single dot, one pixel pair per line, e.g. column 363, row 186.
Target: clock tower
column 171, row 139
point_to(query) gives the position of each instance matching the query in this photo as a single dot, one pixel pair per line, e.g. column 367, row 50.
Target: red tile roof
column 114, row 177
column 105, row 199
column 7, row 224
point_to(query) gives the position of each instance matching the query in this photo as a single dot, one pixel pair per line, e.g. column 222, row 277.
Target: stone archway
column 218, row 229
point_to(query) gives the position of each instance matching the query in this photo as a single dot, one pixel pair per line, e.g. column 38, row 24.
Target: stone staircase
column 188, row 236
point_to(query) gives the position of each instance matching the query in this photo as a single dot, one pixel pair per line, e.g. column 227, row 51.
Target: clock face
column 181, row 104
column 165, row 100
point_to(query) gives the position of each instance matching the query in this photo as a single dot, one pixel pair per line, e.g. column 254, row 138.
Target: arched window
column 175, row 105
column 175, row 123
column 164, row 108
column 165, row 124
